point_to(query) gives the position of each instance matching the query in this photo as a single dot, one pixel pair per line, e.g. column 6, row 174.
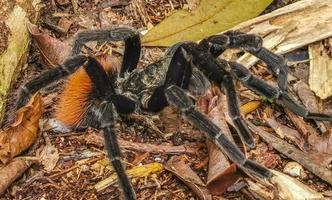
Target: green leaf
column 210, row 17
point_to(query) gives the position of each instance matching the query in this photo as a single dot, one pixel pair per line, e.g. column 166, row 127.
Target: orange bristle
column 74, row 100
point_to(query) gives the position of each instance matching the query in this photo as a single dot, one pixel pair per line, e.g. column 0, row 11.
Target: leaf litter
column 75, row 175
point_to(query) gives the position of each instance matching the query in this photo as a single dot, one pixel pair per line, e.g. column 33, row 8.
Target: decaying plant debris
column 165, row 157
column 14, row 39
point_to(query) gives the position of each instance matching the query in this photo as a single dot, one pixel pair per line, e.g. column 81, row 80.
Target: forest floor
column 81, row 157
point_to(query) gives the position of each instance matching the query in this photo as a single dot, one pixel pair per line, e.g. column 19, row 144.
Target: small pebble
column 295, row 169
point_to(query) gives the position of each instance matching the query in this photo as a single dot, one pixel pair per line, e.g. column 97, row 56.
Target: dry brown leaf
column 177, row 166
column 224, row 179
column 23, row 132
column 53, row 50
column 307, row 96
column 321, row 143
column 12, row 171
column 221, row 174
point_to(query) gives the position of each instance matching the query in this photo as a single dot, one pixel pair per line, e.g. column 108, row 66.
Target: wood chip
column 310, row 16
column 320, row 77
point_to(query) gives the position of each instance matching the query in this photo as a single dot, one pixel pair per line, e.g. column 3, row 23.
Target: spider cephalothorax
column 95, row 94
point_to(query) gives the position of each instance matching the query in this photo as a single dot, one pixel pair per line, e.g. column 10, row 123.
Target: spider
column 95, row 94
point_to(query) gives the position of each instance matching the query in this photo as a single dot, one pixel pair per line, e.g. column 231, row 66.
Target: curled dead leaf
column 53, row 50
column 221, row 174
column 23, row 132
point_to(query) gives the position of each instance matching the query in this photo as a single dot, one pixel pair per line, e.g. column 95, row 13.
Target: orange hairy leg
column 74, row 100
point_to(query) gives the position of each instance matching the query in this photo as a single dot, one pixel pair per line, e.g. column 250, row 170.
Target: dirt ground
column 75, row 174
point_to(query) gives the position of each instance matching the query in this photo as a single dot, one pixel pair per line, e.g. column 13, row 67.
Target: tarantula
column 94, row 95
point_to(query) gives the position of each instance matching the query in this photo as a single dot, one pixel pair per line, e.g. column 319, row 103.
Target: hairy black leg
column 130, row 36
column 215, row 71
column 276, row 65
column 106, row 90
column 105, row 115
column 48, row 77
column 101, row 115
column 261, row 87
column 235, row 114
column 286, row 100
column 217, row 44
column 179, row 73
column 253, row 44
column 179, row 100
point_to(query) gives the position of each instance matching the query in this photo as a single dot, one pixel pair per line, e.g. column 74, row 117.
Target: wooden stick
column 292, row 152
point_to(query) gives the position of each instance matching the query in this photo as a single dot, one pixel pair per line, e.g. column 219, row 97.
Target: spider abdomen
column 74, row 99
column 79, row 98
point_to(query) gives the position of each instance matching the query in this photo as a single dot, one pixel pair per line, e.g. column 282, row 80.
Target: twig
column 293, row 153
column 144, row 147
column 75, row 6
column 74, row 167
column 12, row 171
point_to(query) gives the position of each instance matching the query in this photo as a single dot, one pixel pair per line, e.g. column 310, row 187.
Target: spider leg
column 179, row 100
column 179, row 73
column 261, row 87
column 235, row 114
column 130, row 36
column 253, row 44
column 105, row 89
column 105, row 114
column 215, row 71
column 48, row 77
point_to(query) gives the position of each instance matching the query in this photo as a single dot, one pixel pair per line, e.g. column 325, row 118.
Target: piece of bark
column 291, row 188
column 313, row 19
column 12, row 171
column 292, row 152
column 98, row 139
column 15, row 41
column 320, row 76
